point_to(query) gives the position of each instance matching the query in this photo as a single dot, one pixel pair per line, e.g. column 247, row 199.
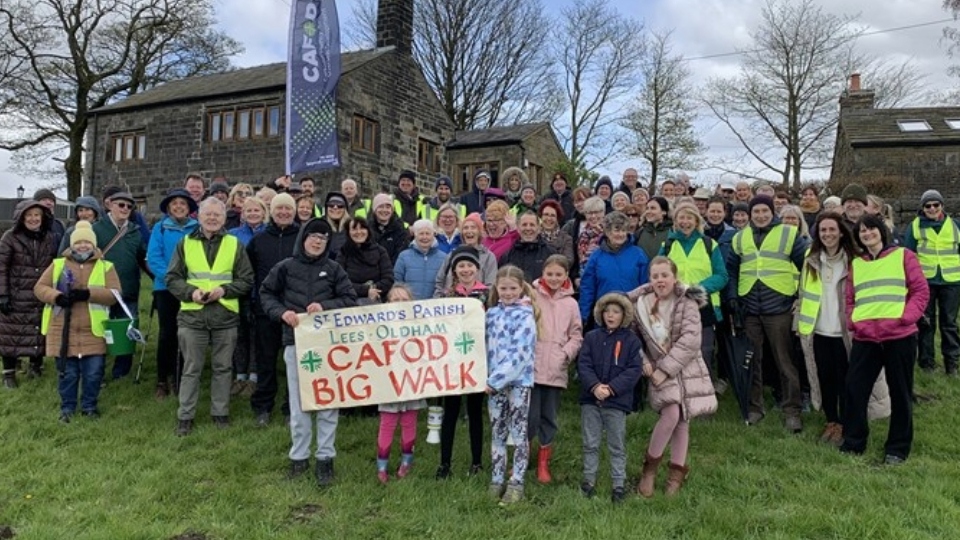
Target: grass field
column 126, row 476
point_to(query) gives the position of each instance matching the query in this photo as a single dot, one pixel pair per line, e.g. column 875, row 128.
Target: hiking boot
column 837, row 438
column 617, row 495
column 543, row 464
column 648, row 477
column 951, row 369
column 443, row 472
column 676, row 474
column 263, row 419
column 495, row 491
column 91, row 414
column 588, row 489
column 475, row 469
column 512, row 495
column 9, row 380
column 249, row 387
column 65, row 418
column 162, row 392
column 222, row 422
column 324, row 472
column 754, row 418
column 35, row 371
column 892, row 459
column 236, row 387
column 793, row 424
column 298, row 467
column 184, row 428
column 828, row 432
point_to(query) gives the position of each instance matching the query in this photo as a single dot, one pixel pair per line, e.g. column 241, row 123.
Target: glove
column 63, row 300
column 737, row 320
column 79, row 295
column 6, row 305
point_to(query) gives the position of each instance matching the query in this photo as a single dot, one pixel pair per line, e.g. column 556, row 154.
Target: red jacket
column 918, row 294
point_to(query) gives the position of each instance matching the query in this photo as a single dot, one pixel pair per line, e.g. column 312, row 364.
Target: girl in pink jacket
column 886, row 296
column 557, row 347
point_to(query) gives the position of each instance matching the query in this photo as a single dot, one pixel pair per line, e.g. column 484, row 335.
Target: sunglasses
column 633, row 215
column 338, row 206
column 931, row 206
column 121, row 204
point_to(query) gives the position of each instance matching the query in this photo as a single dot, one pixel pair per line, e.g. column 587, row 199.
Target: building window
column 243, row 123
column 911, row 126
column 954, row 123
column 466, row 172
column 127, row 147
column 535, row 175
column 366, row 134
column 428, row 156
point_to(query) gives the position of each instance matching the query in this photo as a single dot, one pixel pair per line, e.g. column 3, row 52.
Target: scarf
column 587, row 242
column 810, row 208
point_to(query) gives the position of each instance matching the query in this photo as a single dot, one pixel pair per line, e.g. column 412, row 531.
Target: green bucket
column 115, row 334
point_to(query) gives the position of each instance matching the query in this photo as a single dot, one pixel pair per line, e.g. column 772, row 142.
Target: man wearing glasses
column 120, row 242
column 629, row 182
column 935, row 238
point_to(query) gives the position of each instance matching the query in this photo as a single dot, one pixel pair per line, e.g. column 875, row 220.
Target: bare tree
column 782, row 105
column 600, row 52
column 661, row 118
column 486, row 60
column 951, row 35
column 59, row 59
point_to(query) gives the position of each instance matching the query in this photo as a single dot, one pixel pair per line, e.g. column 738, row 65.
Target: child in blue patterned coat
column 511, row 343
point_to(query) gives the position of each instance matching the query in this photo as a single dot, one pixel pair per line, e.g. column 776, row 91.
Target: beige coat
column 879, row 405
column 82, row 340
column 688, row 380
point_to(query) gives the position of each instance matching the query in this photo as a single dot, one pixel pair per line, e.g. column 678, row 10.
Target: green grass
column 126, row 476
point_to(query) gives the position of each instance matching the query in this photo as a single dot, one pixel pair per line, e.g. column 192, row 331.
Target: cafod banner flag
column 313, row 71
column 386, row 353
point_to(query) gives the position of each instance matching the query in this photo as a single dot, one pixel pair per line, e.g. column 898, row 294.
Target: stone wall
column 539, row 149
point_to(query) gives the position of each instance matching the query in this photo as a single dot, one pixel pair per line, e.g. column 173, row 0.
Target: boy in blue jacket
column 609, row 369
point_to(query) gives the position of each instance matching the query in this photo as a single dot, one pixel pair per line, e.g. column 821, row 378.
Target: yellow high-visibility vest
column 98, row 279
column 811, row 289
column 429, row 212
column 770, row 264
column 206, row 278
column 693, row 267
column 938, row 249
column 879, row 287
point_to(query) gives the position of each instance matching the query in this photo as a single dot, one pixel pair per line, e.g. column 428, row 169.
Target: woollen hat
column 83, row 231
column 603, row 181
column 475, row 219
column 381, row 199
column 528, row 186
column 335, row 197
column 316, row 225
column 464, row 253
column 443, row 181
column 219, row 187
column 495, row 193
column 761, row 199
column 931, row 195
column 283, row 199
column 854, row 192
column 410, row 175
column 742, row 207
column 44, row 193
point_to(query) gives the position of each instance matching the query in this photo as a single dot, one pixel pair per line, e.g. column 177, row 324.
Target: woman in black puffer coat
column 366, row 263
column 26, row 251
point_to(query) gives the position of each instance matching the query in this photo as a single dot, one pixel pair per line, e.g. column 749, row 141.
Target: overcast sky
column 700, row 28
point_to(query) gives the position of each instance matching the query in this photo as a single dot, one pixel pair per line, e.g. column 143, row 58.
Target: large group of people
column 635, row 288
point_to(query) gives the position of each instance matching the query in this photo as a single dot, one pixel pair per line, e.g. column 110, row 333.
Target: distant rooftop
column 496, row 135
column 911, row 126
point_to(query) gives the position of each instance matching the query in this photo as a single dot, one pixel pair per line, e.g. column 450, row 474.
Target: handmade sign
column 393, row 352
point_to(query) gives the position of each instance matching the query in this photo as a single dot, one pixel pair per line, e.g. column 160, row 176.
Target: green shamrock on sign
column 311, row 361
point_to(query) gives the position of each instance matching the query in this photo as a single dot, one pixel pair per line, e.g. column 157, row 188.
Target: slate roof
column 238, row 81
column 496, row 135
column 878, row 127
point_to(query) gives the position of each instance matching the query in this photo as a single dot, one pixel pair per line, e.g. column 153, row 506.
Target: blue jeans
column 124, row 362
column 90, row 369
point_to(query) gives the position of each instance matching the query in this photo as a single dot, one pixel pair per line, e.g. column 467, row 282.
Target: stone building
column 910, row 149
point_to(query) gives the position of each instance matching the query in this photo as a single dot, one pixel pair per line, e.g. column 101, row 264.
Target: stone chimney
column 395, row 24
column 855, row 97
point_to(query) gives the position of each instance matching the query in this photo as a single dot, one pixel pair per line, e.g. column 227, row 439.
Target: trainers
column 236, row 387
column 298, row 467
column 249, row 388
column 324, row 472
column 754, row 418
column 588, row 489
column 162, row 391
column 263, row 419
column 184, row 428
column 9, row 380
column 222, row 422
column 92, row 414
column 495, row 491
column 892, row 459
column 382, row 476
column 617, row 495
column 35, row 371
column 65, row 417
column 443, row 472
column 512, row 495
column 404, row 470
column 828, row 431
column 793, row 424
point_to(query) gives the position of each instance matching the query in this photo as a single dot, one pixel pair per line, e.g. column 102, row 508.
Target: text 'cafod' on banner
column 391, row 352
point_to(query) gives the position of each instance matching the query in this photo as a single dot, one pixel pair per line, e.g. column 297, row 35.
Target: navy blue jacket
column 599, row 364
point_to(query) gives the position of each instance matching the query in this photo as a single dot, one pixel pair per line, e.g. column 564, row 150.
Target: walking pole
column 143, row 346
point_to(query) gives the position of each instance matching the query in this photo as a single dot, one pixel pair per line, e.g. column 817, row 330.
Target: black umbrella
column 740, row 356
column 65, row 286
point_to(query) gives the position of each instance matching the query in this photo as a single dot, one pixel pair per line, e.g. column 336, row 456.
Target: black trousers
column 168, row 347
column 448, row 428
column 896, row 357
column 941, row 311
column 269, row 346
column 830, row 355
